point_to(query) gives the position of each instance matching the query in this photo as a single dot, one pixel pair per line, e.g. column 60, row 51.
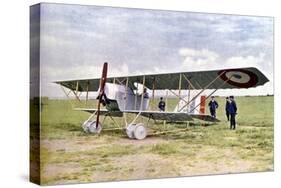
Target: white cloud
column 249, row 61
column 225, row 27
column 198, row 59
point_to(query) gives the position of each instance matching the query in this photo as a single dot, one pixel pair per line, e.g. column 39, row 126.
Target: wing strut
column 202, row 90
column 211, row 93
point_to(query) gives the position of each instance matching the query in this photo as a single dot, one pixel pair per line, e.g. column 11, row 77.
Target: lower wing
column 103, row 112
column 168, row 116
column 174, row 116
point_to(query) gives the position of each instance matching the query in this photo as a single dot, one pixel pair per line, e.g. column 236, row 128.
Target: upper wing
column 215, row 79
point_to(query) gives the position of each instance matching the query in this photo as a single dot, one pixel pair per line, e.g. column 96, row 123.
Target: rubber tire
column 130, row 130
column 90, row 127
column 140, row 131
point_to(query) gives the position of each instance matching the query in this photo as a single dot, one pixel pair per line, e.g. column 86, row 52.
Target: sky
column 76, row 40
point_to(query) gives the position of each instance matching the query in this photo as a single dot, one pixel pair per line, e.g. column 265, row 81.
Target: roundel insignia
column 239, row 77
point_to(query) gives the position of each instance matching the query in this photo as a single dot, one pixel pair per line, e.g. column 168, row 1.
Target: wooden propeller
column 101, row 90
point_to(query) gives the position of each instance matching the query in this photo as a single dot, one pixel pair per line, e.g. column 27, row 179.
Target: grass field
column 68, row 155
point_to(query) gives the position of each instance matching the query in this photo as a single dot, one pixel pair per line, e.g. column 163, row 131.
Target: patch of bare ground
column 204, row 162
column 62, row 172
column 137, row 167
column 147, row 141
column 210, row 161
column 89, row 143
column 61, row 168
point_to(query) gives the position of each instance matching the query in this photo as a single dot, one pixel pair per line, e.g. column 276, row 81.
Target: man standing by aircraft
column 232, row 111
column 161, row 105
column 213, row 105
column 227, row 107
column 145, row 94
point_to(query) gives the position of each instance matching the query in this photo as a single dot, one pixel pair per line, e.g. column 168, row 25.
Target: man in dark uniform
column 145, row 94
column 232, row 109
column 226, row 108
column 213, row 105
column 161, row 105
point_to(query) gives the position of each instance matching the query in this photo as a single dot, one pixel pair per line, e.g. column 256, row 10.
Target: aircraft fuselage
column 121, row 99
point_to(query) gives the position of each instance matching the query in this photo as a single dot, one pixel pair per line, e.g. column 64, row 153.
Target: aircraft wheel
column 140, row 131
column 85, row 126
column 130, row 130
column 90, row 127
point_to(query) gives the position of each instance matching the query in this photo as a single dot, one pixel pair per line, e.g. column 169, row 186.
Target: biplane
column 119, row 95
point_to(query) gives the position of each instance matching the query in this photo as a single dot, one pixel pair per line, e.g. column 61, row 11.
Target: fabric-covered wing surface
column 168, row 116
column 175, row 116
column 102, row 111
column 219, row 79
column 204, row 117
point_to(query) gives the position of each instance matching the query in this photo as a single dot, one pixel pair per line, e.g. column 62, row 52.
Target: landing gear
column 140, row 131
column 91, row 127
column 130, row 130
column 136, row 131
